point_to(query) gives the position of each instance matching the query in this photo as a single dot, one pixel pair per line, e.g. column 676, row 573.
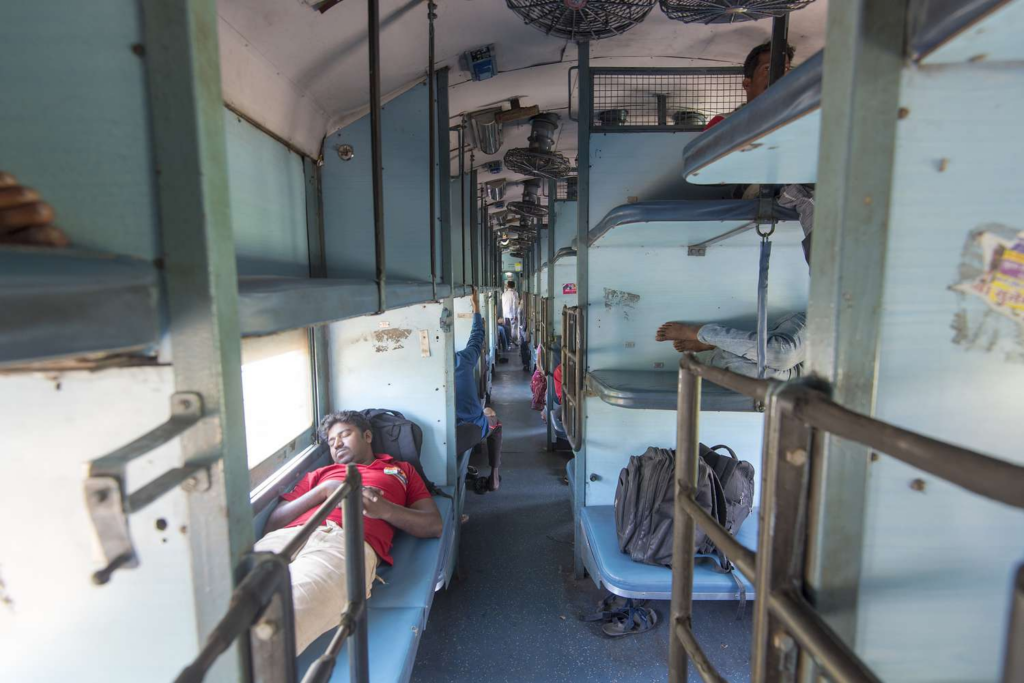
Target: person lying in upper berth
column 394, row 497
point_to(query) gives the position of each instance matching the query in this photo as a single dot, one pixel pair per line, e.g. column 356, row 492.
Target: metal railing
column 785, row 622
column 572, row 373
column 262, row 604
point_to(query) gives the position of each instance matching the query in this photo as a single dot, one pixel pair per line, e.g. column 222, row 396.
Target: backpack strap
column 723, row 466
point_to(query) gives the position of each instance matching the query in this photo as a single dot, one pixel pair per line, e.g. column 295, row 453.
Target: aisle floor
column 514, row 613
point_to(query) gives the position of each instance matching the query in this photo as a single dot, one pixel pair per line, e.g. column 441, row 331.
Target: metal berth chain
column 798, row 415
column 262, row 604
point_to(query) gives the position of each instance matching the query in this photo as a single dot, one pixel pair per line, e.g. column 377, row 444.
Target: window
column 277, row 392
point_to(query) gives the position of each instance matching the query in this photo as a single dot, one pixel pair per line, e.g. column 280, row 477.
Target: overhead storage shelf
column 65, row 302
column 656, row 390
column 773, row 140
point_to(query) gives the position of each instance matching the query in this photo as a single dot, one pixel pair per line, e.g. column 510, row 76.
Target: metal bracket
column 700, row 248
column 108, row 502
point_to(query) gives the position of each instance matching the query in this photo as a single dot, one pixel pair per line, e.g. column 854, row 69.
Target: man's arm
column 475, row 345
column 421, row 519
column 288, row 511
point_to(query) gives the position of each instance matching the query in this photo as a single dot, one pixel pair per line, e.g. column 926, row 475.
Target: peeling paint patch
column 389, row 339
column 990, row 316
column 5, row 598
column 615, row 298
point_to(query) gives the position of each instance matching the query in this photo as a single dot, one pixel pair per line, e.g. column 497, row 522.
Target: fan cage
column 728, row 11
column 528, row 209
column 551, row 165
column 593, row 20
column 663, row 99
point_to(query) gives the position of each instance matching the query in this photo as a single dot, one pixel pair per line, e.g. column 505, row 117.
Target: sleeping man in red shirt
column 394, row 497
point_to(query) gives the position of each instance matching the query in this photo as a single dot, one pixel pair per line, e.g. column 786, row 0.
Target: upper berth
column 57, row 303
column 657, row 390
column 774, row 139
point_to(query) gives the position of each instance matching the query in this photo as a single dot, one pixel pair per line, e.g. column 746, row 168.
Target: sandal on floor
column 643, row 620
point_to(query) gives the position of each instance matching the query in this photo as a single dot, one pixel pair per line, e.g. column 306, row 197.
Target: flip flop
column 643, row 620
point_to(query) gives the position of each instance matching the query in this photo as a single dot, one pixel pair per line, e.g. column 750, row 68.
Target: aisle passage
column 514, row 614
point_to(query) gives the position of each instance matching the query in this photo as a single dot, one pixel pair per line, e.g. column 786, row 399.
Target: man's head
column 349, row 436
column 756, row 67
column 511, row 284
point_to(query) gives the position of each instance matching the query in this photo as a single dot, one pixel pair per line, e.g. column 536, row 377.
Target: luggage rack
column 784, row 621
column 262, row 604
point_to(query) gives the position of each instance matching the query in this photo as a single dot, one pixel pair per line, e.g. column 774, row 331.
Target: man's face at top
column 759, row 83
column 348, row 444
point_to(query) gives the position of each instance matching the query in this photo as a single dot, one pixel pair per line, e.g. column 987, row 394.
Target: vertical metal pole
column 687, row 454
column 550, row 306
column 474, row 227
column 317, row 269
column 1013, row 665
column 860, row 100
column 187, row 116
column 783, row 532
column 444, row 190
column 462, row 203
column 582, row 245
column 373, row 21
column 355, row 579
column 780, row 34
column 432, row 125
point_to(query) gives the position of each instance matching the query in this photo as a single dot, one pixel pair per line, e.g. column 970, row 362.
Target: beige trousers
column 319, row 588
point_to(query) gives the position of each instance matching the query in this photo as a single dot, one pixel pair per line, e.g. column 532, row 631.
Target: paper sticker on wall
column 992, row 274
column 425, row 343
column 569, row 288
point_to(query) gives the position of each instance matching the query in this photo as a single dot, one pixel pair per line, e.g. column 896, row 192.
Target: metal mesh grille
column 566, row 189
column 663, row 99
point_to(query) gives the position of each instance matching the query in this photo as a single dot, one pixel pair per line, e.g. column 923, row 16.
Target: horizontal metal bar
column 634, row 70
column 248, row 600
column 813, row 634
column 161, row 485
column 748, row 386
column 297, row 542
column 186, row 410
column 981, row 474
column 700, row 248
column 626, row 128
column 744, row 558
column 704, row 667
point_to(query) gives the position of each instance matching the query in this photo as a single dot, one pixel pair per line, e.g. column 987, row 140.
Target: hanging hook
column 765, row 235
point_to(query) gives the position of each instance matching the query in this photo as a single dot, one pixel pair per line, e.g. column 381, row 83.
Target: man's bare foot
column 677, row 331
column 691, row 346
column 494, row 481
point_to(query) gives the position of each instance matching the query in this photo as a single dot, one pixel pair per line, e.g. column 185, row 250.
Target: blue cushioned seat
column 394, row 637
column 614, row 570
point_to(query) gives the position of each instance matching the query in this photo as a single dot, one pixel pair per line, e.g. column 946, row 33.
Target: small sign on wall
column 569, row 288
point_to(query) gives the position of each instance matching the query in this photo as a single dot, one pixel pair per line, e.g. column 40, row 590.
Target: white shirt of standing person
column 510, row 303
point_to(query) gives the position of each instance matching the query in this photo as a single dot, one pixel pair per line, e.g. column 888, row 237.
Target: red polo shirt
column 398, row 480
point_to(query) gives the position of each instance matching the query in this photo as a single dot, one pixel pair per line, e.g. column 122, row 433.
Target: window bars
column 663, row 99
column 261, row 605
column 572, row 373
column 798, row 413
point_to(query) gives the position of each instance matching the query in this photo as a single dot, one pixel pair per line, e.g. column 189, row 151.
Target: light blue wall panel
column 565, row 224
column 378, row 362
column 641, row 277
column 268, row 202
column 348, row 193
column 461, row 244
column 937, row 566
column 74, row 122
column 614, row 434
column 565, row 274
column 647, row 166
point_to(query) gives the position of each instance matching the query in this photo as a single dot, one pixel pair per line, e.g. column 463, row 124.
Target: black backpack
column 645, row 502
column 401, row 438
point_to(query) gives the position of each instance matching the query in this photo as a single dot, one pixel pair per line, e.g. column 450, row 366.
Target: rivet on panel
column 902, row 113
column 917, row 485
